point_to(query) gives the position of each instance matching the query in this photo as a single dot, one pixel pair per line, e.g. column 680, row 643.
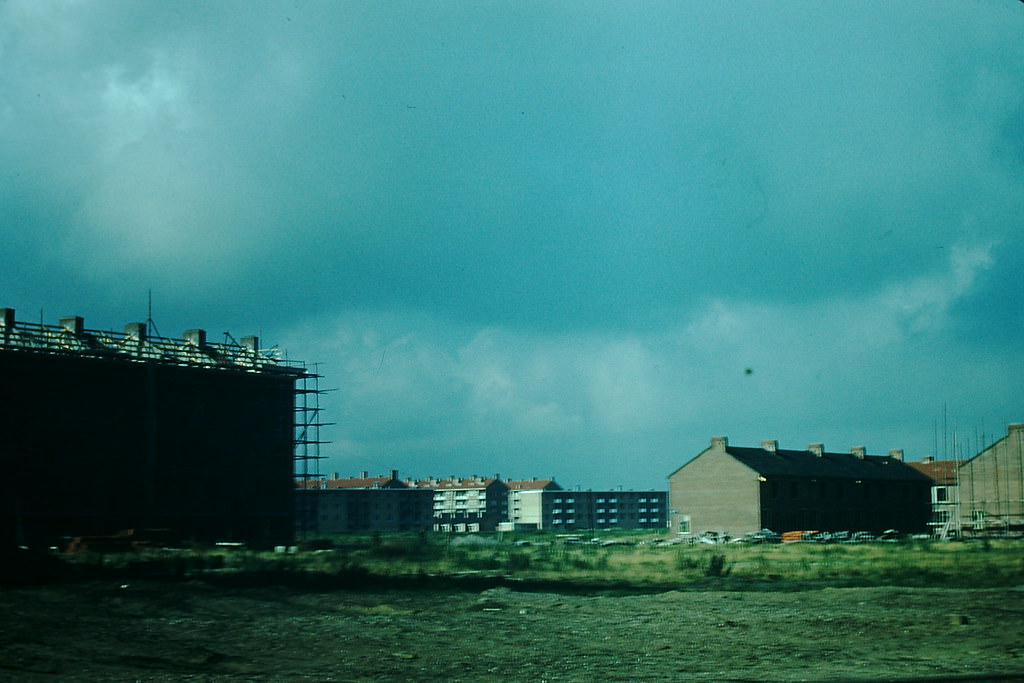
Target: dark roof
column 805, row 464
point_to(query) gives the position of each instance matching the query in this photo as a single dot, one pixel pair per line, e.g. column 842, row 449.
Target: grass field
column 625, row 560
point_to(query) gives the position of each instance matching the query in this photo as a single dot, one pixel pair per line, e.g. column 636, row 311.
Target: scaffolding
column 308, row 478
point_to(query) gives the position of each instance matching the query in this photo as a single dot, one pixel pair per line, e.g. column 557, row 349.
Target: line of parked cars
column 809, row 536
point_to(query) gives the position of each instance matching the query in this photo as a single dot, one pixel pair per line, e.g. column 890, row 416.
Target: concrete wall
column 992, row 483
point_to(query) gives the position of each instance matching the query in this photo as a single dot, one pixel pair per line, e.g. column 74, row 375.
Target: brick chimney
column 817, row 448
column 720, row 442
column 896, row 454
column 770, row 445
column 859, row 452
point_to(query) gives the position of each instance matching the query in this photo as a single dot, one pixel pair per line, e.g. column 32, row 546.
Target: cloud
column 539, row 233
column 434, row 393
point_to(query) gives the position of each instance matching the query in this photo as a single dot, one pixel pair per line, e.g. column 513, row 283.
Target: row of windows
column 559, row 501
column 558, row 521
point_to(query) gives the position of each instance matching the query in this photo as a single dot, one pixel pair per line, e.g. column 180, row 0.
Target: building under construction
column 106, row 431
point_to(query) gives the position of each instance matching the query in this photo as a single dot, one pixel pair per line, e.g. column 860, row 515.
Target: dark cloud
column 654, row 199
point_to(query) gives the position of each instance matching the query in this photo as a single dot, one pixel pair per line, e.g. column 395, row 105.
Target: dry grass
column 978, row 564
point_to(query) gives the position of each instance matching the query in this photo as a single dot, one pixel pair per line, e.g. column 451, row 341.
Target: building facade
column 945, row 495
column 339, row 505
column 737, row 490
column 992, row 486
column 526, row 513
column 566, row 510
column 466, row 505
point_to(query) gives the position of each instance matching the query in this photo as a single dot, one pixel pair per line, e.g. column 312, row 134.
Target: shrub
column 716, row 566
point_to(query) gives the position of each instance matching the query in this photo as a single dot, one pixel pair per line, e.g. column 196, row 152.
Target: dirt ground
column 191, row 630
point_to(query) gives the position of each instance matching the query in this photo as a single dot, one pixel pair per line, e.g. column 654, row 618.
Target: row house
column 737, row 490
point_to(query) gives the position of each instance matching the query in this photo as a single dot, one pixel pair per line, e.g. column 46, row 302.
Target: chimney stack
column 770, row 445
column 136, row 330
column 720, row 442
column 896, row 454
column 195, row 337
column 75, row 324
column 394, row 475
column 859, row 452
column 8, row 322
column 364, row 475
column 817, row 448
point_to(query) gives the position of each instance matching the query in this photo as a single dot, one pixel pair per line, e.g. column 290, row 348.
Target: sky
column 543, row 239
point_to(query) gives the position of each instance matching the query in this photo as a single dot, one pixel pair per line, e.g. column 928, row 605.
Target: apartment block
column 363, row 503
column 591, row 510
column 466, row 505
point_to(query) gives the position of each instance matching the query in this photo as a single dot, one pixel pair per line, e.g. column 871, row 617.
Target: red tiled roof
column 457, row 483
column 942, row 472
column 351, row 483
column 533, row 485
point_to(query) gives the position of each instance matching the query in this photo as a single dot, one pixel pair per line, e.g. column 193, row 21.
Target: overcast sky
column 572, row 239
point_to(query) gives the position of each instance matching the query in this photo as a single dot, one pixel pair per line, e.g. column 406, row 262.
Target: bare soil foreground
column 147, row 630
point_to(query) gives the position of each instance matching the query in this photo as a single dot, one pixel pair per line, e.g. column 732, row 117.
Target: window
column 941, row 494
